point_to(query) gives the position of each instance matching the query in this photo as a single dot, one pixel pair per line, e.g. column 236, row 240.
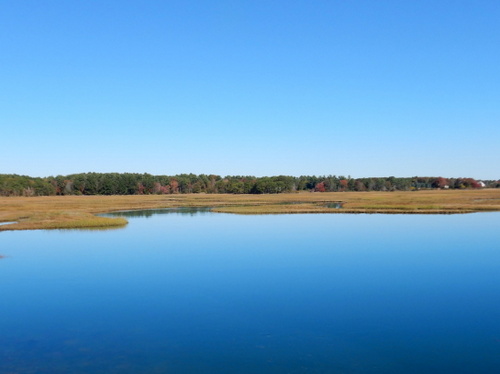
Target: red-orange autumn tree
column 320, row 187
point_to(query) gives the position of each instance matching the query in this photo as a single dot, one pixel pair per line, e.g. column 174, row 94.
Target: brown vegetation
column 55, row 212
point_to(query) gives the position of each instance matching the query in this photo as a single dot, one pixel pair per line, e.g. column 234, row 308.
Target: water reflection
column 147, row 213
column 89, row 229
column 335, row 205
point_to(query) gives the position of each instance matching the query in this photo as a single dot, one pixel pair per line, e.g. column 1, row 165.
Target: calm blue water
column 217, row 293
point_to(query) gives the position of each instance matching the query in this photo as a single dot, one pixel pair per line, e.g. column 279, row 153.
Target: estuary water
column 182, row 291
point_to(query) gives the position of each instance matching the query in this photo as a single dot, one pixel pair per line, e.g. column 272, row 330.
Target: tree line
column 139, row 184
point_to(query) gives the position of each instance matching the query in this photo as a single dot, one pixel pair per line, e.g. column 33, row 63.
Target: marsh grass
column 71, row 212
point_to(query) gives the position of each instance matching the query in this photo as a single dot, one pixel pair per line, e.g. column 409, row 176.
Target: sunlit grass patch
column 90, row 222
column 68, row 220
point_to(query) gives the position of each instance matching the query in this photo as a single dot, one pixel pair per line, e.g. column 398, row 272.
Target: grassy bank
column 55, row 212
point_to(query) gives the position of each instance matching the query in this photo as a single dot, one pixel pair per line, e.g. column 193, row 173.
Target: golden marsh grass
column 56, row 212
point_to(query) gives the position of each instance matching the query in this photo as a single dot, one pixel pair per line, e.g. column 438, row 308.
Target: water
column 186, row 292
column 6, row 223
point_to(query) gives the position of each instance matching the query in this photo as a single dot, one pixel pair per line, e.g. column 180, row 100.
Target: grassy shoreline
column 73, row 212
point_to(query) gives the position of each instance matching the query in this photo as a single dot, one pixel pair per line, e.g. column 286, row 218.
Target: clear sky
column 361, row 88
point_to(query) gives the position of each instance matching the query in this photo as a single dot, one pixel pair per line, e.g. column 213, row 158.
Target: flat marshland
column 60, row 212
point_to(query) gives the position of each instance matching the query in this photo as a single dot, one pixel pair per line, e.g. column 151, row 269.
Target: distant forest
column 139, row 184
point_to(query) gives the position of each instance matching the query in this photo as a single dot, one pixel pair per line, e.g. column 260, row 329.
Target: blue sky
column 360, row 88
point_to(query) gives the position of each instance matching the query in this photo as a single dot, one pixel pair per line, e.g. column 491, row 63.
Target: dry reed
column 55, row 212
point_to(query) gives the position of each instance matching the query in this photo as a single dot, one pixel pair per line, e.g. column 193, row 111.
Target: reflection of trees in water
column 336, row 205
column 146, row 213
